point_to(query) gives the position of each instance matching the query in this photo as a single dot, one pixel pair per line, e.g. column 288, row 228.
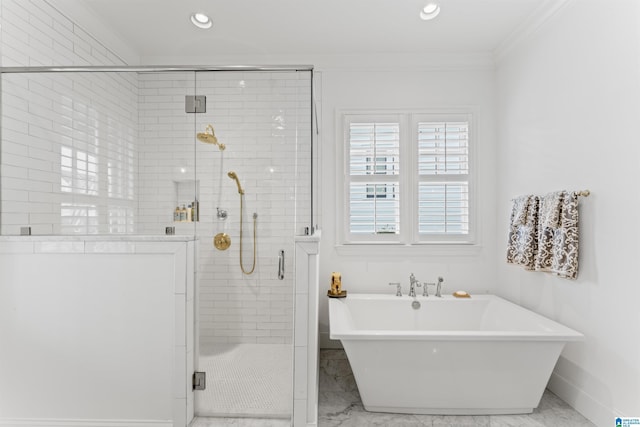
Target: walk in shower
column 224, row 154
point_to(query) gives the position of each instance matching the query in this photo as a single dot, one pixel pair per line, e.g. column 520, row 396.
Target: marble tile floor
column 239, row 422
column 340, row 406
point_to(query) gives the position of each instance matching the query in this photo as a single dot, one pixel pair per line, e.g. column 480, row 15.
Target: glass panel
column 305, row 155
column 61, row 133
column 96, row 152
column 167, row 184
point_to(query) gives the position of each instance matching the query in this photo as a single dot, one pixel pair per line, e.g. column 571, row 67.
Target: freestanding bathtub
column 452, row 356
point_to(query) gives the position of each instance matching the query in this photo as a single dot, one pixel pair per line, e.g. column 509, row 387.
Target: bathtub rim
column 342, row 329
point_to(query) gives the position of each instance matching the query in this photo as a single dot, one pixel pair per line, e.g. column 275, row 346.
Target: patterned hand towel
column 564, row 261
column 522, row 245
column 548, row 222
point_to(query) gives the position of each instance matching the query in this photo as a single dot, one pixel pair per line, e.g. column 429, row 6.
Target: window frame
column 408, row 120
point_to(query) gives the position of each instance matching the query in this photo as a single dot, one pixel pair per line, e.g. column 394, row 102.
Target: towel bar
column 582, row 193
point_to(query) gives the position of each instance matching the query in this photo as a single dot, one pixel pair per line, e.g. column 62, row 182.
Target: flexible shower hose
column 255, row 216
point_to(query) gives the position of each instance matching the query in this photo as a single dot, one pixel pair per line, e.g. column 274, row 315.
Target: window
column 443, row 178
column 407, row 178
column 373, row 184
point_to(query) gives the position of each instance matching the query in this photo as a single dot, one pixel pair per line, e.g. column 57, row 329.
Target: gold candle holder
column 336, row 286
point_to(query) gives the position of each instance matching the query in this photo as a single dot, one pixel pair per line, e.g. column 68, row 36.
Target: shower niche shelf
column 187, row 200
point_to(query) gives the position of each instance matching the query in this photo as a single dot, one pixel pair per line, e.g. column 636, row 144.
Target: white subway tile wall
column 69, row 156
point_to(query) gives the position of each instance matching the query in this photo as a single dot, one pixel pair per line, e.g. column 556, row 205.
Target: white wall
column 469, row 268
column 569, row 106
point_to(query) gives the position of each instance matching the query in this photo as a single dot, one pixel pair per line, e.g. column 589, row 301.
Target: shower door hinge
column 199, row 380
column 195, row 104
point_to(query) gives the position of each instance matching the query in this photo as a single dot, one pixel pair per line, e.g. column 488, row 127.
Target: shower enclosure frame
column 183, row 68
column 309, row 231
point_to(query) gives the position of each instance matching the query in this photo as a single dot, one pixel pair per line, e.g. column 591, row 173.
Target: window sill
column 401, row 250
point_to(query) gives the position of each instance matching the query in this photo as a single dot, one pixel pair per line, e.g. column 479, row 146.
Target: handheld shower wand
column 233, row 176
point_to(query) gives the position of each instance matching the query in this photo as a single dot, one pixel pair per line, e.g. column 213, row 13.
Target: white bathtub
column 452, row 356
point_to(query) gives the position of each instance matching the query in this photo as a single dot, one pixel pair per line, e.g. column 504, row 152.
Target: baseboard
column 41, row 422
column 590, row 408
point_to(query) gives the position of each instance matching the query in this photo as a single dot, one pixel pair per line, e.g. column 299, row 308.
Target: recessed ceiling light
column 430, row 11
column 201, row 20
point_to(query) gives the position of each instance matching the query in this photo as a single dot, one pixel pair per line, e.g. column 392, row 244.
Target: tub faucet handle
column 412, row 285
column 398, row 288
column 425, row 292
column 439, row 287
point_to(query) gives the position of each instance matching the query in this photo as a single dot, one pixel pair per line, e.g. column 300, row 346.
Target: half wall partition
column 224, row 154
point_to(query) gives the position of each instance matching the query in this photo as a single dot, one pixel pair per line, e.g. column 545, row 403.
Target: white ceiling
column 154, row 28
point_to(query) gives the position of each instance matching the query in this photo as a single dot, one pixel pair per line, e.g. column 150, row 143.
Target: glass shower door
column 253, row 174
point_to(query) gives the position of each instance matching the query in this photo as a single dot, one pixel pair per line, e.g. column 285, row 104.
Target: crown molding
column 427, row 61
column 543, row 14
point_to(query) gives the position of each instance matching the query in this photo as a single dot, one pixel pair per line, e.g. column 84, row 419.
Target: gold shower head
column 233, row 176
column 209, row 137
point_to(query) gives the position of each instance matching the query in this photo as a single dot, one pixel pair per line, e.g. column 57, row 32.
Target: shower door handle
column 281, row 265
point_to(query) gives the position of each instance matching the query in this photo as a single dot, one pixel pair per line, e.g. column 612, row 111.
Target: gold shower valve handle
column 222, row 241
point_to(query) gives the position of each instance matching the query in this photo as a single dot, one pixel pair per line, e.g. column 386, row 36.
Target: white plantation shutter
column 443, row 178
column 374, row 208
column 407, row 178
column 443, row 208
column 443, row 148
column 374, row 148
column 373, row 177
